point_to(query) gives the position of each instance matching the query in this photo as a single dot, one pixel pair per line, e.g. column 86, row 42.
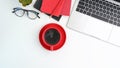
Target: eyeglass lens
column 31, row 15
column 19, row 13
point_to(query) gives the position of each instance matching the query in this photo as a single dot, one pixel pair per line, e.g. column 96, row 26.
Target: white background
column 20, row 46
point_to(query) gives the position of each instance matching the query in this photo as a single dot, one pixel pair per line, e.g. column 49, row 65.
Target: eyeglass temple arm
column 13, row 10
column 38, row 15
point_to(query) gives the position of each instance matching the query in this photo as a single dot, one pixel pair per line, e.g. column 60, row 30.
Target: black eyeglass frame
column 25, row 10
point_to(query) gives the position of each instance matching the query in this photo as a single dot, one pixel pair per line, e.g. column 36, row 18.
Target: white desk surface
column 20, row 47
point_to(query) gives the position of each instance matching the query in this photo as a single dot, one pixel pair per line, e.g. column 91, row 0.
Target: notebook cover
column 58, row 8
column 66, row 8
column 38, row 4
column 48, row 6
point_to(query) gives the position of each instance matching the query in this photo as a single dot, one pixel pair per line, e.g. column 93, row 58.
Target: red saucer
column 54, row 42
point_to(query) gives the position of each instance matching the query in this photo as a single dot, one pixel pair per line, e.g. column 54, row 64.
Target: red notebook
column 66, row 8
column 49, row 5
column 56, row 7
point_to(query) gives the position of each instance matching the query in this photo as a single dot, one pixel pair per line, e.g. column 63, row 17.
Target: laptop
column 97, row 18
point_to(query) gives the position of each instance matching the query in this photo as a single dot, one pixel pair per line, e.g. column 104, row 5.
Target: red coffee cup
column 52, row 36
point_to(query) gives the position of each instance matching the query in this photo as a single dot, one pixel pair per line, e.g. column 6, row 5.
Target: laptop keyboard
column 100, row 9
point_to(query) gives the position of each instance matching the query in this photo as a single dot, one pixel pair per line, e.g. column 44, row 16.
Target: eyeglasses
column 31, row 14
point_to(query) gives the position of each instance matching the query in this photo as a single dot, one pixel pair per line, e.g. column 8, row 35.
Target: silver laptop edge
column 91, row 26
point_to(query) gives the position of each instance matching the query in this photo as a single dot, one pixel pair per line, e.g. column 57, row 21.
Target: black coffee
column 52, row 36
